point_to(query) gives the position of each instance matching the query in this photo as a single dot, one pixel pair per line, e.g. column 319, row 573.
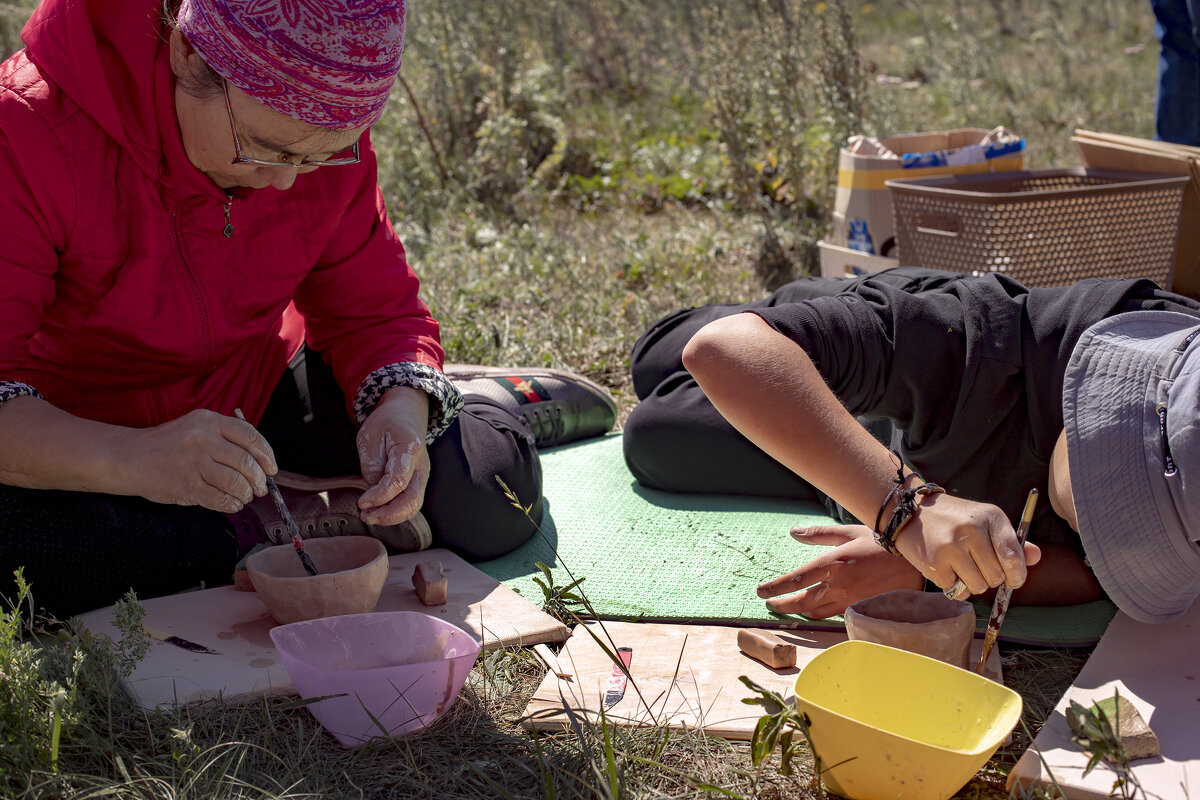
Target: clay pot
column 928, row 623
column 351, row 573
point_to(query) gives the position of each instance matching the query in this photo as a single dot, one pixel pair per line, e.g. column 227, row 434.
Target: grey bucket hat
column 1131, row 407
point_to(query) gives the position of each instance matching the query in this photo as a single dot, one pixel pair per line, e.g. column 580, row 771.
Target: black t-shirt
column 970, row 374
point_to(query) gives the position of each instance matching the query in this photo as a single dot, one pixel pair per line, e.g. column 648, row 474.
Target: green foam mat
column 663, row 557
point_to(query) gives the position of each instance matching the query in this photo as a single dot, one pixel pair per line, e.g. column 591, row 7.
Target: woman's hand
column 394, row 460
column 949, row 538
column 201, row 459
column 853, row 569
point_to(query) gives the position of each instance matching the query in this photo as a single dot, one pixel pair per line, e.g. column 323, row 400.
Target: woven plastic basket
column 1042, row 227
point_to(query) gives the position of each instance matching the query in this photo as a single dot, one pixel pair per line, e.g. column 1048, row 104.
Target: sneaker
column 559, row 406
column 329, row 507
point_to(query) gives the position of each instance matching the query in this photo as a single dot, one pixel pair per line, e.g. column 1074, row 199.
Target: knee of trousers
column 653, row 441
column 467, row 508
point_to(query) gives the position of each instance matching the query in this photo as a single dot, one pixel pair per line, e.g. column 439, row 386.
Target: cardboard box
column 843, row 262
column 862, row 207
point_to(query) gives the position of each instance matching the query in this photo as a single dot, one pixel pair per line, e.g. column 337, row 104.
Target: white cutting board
column 1157, row 668
column 236, row 624
column 683, row 676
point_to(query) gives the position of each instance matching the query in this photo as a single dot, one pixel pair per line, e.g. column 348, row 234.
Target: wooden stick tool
column 1003, row 593
column 292, row 527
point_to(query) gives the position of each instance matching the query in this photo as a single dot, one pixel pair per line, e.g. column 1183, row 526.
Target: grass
column 563, row 173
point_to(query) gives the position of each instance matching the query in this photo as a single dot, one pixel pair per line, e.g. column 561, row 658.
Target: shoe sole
column 303, row 483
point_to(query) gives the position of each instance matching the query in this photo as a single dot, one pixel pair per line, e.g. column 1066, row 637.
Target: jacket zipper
column 201, row 306
column 228, row 229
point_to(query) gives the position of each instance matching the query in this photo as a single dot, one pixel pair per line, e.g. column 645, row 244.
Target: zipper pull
column 228, row 229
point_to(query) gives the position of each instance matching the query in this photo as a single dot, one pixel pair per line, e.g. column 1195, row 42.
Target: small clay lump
column 767, row 648
column 430, row 583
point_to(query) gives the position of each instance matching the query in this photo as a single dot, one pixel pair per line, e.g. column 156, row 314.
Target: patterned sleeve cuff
column 448, row 401
column 11, row 389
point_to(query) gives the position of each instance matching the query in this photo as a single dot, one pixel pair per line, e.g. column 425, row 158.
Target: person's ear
column 185, row 59
column 1061, row 499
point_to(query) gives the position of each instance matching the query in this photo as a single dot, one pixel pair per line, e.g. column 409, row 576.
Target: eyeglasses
column 284, row 160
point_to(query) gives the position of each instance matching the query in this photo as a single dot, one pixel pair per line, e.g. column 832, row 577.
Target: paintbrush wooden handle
column 281, row 507
column 1003, row 592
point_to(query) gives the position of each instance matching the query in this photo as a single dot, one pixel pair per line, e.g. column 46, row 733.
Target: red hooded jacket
column 120, row 298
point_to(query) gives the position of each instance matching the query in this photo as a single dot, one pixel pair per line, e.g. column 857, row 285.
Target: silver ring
column 958, row 591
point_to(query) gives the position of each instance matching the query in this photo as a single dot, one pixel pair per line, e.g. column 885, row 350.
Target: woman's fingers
column 225, row 481
column 1033, row 554
column 812, row 572
column 246, row 437
column 398, row 509
column 812, row 602
column 1010, row 559
column 235, row 470
column 829, row 535
column 964, row 568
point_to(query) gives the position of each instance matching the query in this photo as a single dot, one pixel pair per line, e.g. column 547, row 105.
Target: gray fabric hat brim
column 1134, row 513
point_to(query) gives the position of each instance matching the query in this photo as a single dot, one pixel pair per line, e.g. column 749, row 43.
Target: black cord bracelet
column 906, row 507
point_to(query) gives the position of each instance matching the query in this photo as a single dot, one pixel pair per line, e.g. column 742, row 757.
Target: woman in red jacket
column 193, row 226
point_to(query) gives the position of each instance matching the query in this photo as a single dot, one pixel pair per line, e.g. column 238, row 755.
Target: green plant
column 1097, row 733
column 37, row 696
column 777, row 728
column 557, row 600
column 51, row 683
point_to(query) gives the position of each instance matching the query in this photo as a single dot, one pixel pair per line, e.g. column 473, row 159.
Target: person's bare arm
column 202, row 458
column 769, row 389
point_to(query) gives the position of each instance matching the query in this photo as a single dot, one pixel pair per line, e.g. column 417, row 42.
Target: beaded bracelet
column 906, row 507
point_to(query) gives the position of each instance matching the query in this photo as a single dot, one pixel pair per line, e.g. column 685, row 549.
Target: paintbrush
column 1003, row 593
column 292, row 527
column 178, row 641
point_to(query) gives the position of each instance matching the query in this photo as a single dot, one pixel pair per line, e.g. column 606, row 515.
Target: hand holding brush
column 1004, row 593
column 293, row 528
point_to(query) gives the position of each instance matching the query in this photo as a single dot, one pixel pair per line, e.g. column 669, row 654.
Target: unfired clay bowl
column 928, row 623
column 351, row 573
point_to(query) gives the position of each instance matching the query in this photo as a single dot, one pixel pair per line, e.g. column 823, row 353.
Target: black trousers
column 676, row 440
column 81, row 551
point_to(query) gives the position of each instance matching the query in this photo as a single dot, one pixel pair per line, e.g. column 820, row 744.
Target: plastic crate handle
column 938, row 223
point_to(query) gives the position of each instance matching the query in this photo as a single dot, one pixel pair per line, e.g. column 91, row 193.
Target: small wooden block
column 770, row 650
column 430, row 583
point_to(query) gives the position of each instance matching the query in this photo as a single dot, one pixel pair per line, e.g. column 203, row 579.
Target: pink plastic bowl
column 401, row 667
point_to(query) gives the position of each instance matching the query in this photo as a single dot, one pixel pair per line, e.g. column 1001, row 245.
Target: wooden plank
column 1153, row 145
column 237, row 625
column 1157, row 668
column 683, row 676
column 1142, row 155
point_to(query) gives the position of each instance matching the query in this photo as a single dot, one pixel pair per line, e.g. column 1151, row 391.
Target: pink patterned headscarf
column 326, row 62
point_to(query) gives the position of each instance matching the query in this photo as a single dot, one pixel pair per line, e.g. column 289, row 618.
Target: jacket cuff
column 11, row 389
column 446, row 399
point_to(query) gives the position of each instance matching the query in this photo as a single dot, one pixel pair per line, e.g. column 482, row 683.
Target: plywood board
column 1111, row 151
column 683, row 676
column 237, row 626
column 1180, row 150
column 1157, row 667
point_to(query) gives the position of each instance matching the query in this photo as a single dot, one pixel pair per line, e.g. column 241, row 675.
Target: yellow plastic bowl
column 889, row 724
